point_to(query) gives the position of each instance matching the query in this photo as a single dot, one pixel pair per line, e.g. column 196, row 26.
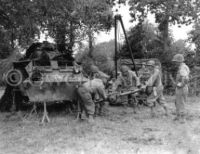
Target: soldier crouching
column 87, row 94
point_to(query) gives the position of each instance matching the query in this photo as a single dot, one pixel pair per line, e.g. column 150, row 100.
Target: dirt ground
column 118, row 132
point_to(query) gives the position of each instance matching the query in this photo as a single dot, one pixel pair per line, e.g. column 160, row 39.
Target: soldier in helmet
column 129, row 78
column 87, row 93
column 92, row 91
column 154, row 88
column 96, row 73
column 129, row 81
column 181, row 83
column 143, row 73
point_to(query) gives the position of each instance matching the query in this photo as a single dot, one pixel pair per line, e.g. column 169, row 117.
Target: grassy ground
column 119, row 132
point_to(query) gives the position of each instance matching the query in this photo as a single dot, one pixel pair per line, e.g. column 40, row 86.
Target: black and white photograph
column 99, row 76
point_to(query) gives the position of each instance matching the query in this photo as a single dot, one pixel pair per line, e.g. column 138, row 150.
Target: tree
column 95, row 16
column 143, row 38
column 5, row 48
column 166, row 12
column 66, row 21
column 18, row 18
column 195, row 38
column 69, row 21
column 102, row 56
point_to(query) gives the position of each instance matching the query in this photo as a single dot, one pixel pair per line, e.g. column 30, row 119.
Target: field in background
column 118, row 132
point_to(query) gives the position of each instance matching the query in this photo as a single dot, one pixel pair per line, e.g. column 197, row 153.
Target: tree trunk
column 164, row 29
column 90, row 41
column 60, row 38
column 165, row 33
column 12, row 39
column 71, row 36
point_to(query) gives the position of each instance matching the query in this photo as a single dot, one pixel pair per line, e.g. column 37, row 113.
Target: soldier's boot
column 90, row 118
column 153, row 112
column 83, row 115
column 100, row 112
column 177, row 118
column 131, row 104
column 96, row 110
column 135, row 105
column 102, row 109
column 166, row 110
column 182, row 118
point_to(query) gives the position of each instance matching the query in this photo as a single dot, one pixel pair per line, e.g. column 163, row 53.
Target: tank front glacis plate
column 51, row 83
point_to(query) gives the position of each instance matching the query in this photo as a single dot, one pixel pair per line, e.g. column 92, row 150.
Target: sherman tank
column 45, row 76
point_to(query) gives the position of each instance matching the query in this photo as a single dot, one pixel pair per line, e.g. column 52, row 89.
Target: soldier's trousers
column 85, row 99
column 181, row 97
column 159, row 98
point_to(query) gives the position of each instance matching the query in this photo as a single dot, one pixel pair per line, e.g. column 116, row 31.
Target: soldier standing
column 155, row 88
column 181, row 84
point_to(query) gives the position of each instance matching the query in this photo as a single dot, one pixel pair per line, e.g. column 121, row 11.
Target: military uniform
column 128, row 80
column 157, row 88
column 144, row 74
column 88, row 92
column 181, row 88
column 96, row 73
column 182, row 79
column 155, row 85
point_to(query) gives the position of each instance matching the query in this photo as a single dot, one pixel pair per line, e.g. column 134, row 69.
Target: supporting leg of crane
column 33, row 110
column 78, row 111
column 45, row 114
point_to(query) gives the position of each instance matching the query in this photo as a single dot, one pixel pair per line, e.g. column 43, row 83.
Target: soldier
column 88, row 92
column 143, row 73
column 154, row 88
column 96, row 73
column 128, row 78
column 142, row 69
column 181, row 84
column 129, row 81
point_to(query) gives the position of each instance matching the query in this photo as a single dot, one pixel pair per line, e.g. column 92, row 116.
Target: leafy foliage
column 95, row 16
column 103, row 57
column 5, row 49
column 166, row 12
column 144, row 40
column 195, row 38
column 19, row 19
column 66, row 21
column 175, row 11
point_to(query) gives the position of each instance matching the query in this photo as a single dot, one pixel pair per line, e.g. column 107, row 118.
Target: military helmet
column 94, row 69
column 151, row 63
column 178, row 58
column 124, row 68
